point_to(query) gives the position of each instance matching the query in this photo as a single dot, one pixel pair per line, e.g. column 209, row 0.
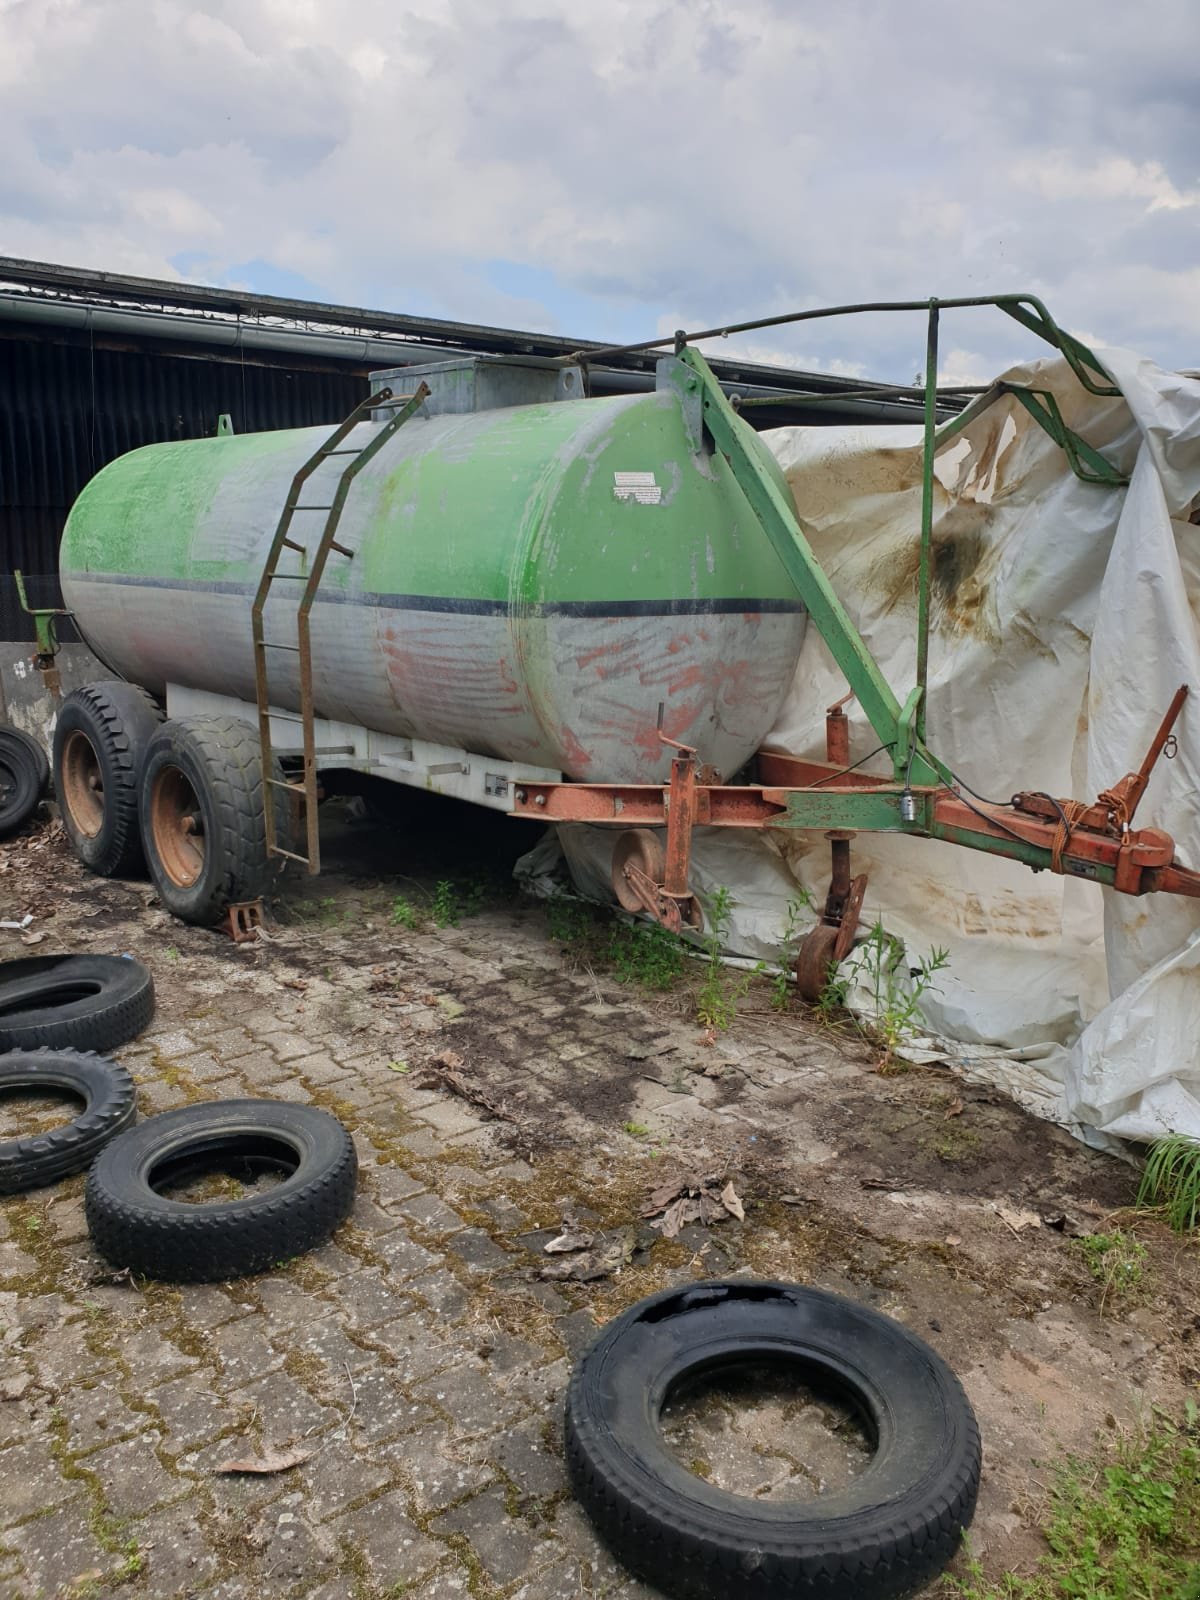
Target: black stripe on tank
column 458, row 605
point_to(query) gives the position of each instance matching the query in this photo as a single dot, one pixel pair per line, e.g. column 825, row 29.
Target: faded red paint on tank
column 446, row 694
column 600, row 652
column 678, row 722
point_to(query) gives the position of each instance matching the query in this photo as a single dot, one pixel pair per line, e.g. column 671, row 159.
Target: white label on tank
column 639, row 486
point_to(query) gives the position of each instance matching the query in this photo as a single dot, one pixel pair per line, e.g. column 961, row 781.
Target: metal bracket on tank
column 675, row 377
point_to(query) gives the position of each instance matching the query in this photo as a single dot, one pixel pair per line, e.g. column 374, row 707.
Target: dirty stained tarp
column 1065, row 616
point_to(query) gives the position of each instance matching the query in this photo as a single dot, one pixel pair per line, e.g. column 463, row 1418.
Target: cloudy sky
column 616, row 168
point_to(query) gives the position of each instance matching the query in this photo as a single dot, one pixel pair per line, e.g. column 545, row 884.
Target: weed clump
column 1122, row 1527
column 1171, row 1180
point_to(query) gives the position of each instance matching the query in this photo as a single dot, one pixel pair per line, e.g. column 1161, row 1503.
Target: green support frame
column 899, row 728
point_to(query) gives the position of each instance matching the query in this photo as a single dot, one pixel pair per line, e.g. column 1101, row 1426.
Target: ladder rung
column 312, row 508
column 289, row 751
column 395, row 400
column 284, row 716
column 273, row 644
column 353, row 451
column 282, row 783
column 291, row 577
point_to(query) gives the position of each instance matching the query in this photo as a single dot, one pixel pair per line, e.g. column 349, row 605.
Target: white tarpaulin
column 1065, row 616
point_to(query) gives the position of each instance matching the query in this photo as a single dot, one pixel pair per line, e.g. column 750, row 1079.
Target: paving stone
column 560, row 1582
column 402, row 1256
column 61, row 1356
column 244, row 1351
column 133, row 1479
column 369, row 1300
column 442, row 1291
column 601, row 1570
column 289, row 1047
column 177, row 1558
column 373, row 1218
column 383, row 1409
column 472, row 1401
column 319, row 1069
column 289, row 1549
column 523, row 1455
column 192, row 1412
column 202, row 1066
column 98, row 1416
column 258, row 1067
column 326, row 1341
column 171, row 1044
column 394, row 1551
column 416, row 1348
column 67, row 1220
column 286, row 1304
column 30, row 1481
column 286, row 1412
column 154, row 1359
column 432, row 1214
column 480, row 1253
column 450, row 1118
column 204, row 1305
column 56, row 1551
column 435, row 1475
column 507, row 1548
column 337, row 1478
column 577, row 1330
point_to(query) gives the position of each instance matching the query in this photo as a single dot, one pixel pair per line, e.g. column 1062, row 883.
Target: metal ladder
column 335, row 445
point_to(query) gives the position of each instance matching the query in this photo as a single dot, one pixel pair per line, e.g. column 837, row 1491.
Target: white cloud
column 737, row 157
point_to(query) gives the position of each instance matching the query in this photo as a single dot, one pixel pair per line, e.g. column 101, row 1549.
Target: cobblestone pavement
column 419, row 1356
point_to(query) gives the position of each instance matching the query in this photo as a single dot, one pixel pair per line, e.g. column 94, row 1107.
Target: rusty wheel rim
column 177, row 827
column 640, row 849
column 82, row 783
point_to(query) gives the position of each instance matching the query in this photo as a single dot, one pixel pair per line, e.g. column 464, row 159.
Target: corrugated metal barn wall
column 67, row 409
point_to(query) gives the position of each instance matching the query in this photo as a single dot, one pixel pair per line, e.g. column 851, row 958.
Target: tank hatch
column 483, row 383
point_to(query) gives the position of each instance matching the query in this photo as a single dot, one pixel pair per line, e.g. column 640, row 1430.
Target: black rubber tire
column 21, row 783
column 222, row 761
column 110, row 1106
column 73, row 1002
column 892, row 1529
column 158, row 1237
column 37, row 754
column 117, row 720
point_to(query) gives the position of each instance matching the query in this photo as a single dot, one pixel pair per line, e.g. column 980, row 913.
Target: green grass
column 1124, row 1526
column 405, row 914
column 634, row 952
column 1115, row 1259
column 1171, row 1180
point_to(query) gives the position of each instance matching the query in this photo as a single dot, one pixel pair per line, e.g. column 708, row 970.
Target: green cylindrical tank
column 530, row 583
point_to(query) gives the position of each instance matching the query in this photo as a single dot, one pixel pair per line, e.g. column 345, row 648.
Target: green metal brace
column 846, row 644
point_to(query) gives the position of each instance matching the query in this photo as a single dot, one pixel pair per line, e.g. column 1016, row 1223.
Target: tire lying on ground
column 73, row 1002
column 202, row 816
column 23, row 778
column 100, row 741
column 107, row 1092
column 134, row 1225
column 893, row 1528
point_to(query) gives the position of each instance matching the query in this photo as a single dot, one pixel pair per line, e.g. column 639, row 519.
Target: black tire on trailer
column 110, row 1106
column 203, row 819
column 73, row 1002
column 20, row 784
column 100, row 740
column 134, row 1226
column 893, row 1528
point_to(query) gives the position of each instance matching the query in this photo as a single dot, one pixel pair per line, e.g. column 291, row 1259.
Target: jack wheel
column 815, row 961
column 642, row 850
